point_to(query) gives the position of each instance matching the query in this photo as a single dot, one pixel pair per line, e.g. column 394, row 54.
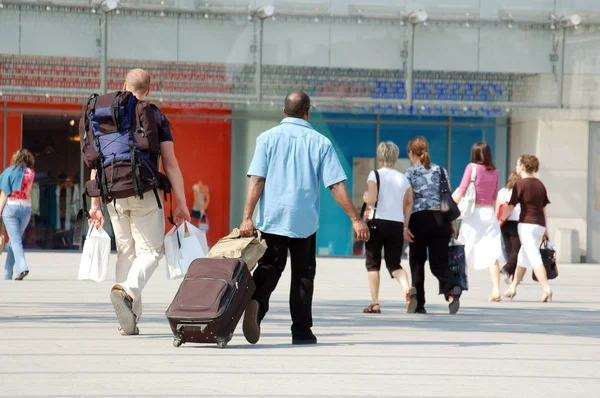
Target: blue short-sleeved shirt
column 294, row 159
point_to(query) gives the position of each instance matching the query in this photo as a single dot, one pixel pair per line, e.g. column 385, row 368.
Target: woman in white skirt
column 480, row 232
column 531, row 194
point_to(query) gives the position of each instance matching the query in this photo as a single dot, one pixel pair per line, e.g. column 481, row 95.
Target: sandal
column 371, row 309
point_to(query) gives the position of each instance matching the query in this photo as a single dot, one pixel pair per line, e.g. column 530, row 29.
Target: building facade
column 522, row 77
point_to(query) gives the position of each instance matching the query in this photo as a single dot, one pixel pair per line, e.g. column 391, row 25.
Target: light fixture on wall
column 265, row 12
column 570, row 21
column 1, row 5
column 418, row 17
column 109, row 5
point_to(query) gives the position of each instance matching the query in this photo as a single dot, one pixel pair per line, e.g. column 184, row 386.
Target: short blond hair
column 387, row 153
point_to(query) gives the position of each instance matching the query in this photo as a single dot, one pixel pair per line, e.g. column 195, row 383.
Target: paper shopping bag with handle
column 250, row 249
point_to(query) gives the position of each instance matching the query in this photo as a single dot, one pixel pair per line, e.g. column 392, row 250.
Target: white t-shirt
column 393, row 186
column 504, row 197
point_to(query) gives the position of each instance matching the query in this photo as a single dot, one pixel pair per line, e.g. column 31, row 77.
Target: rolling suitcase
column 210, row 301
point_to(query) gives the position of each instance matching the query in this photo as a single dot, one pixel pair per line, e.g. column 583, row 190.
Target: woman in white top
column 510, row 235
column 392, row 205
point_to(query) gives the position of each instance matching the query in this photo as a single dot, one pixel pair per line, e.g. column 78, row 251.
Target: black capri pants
column 389, row 236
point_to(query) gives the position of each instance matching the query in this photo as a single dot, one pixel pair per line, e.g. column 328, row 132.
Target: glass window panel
column 355, row 146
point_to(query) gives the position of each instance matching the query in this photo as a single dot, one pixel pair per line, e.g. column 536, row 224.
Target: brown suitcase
column 210, row 301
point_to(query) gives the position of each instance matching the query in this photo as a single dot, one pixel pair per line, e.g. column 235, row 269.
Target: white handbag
column 95, row 256
column 467, row 203
column 183, row 245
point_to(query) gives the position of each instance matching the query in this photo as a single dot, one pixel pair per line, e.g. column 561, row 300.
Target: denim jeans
column 16, row 218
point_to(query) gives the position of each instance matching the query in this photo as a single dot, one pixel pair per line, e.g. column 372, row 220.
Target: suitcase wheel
column 222, row 341
column 177, row 342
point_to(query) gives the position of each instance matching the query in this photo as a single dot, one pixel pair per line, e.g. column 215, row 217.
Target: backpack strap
column 135, row 170
column 115, row 109
column 100, row 173
column 91, row 105
column 131, row 109
column 378, row 187
column 364, row 205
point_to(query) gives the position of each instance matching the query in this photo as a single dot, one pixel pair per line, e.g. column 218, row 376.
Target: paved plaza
column 58, row 337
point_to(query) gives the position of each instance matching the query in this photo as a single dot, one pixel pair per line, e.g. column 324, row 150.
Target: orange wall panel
column 14, row 134
column 203, row 149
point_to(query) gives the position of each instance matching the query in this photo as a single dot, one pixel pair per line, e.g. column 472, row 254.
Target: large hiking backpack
column 119, row 138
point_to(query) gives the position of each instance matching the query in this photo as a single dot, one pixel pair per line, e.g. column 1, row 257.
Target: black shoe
column 455, row 304
column 421, row 311
column 22, row 275
column 124, row 310
column 251, row 325
column 303, row 336
column 304, row 340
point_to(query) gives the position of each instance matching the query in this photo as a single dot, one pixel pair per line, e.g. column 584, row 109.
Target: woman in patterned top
column 15, row 208
column 427, row 230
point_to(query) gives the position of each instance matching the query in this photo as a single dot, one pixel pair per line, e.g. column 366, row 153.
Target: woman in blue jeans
column 15, row 208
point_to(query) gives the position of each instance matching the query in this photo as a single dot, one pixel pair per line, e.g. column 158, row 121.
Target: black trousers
column 512, row 244
column 431, row 234
column 304, row 265
column 389, row 236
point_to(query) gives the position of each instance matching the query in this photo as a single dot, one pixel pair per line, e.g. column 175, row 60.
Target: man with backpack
column 122, row 138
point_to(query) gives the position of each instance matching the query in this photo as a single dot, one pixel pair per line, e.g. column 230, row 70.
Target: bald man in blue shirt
column 290, row 162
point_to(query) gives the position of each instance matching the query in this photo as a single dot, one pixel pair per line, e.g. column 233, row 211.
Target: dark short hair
column 481, row 153
column 297, row 104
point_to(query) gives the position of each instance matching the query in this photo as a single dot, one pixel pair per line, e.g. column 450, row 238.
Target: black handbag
column 448, row 206
column 372, row 223
column 549, row 260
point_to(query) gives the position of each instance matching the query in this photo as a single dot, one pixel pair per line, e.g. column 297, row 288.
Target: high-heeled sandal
column 547, row 297
column 371, row 309
column 495, row 299
column 510, row 293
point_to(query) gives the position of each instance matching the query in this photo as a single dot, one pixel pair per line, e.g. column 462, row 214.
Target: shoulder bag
column 467, row 203
column 448, row 206
column 372, row 221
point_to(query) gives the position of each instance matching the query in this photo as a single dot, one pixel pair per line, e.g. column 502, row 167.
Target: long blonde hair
column 513, row 178
column 22, row 158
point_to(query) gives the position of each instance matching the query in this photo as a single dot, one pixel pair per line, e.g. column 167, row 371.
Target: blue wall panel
column 350, row 140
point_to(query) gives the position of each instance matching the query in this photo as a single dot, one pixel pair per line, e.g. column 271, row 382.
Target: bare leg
column 542, row 277
column 402, row 277
column 519, row 275
column 512, row 290
column 495, row 275
column 374, row 286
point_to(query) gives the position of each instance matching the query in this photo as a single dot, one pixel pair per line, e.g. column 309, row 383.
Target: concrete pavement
column 58, row 337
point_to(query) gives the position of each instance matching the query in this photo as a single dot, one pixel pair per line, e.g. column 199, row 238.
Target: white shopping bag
column 95, row 256
column 467, row 203
column 183, row 245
